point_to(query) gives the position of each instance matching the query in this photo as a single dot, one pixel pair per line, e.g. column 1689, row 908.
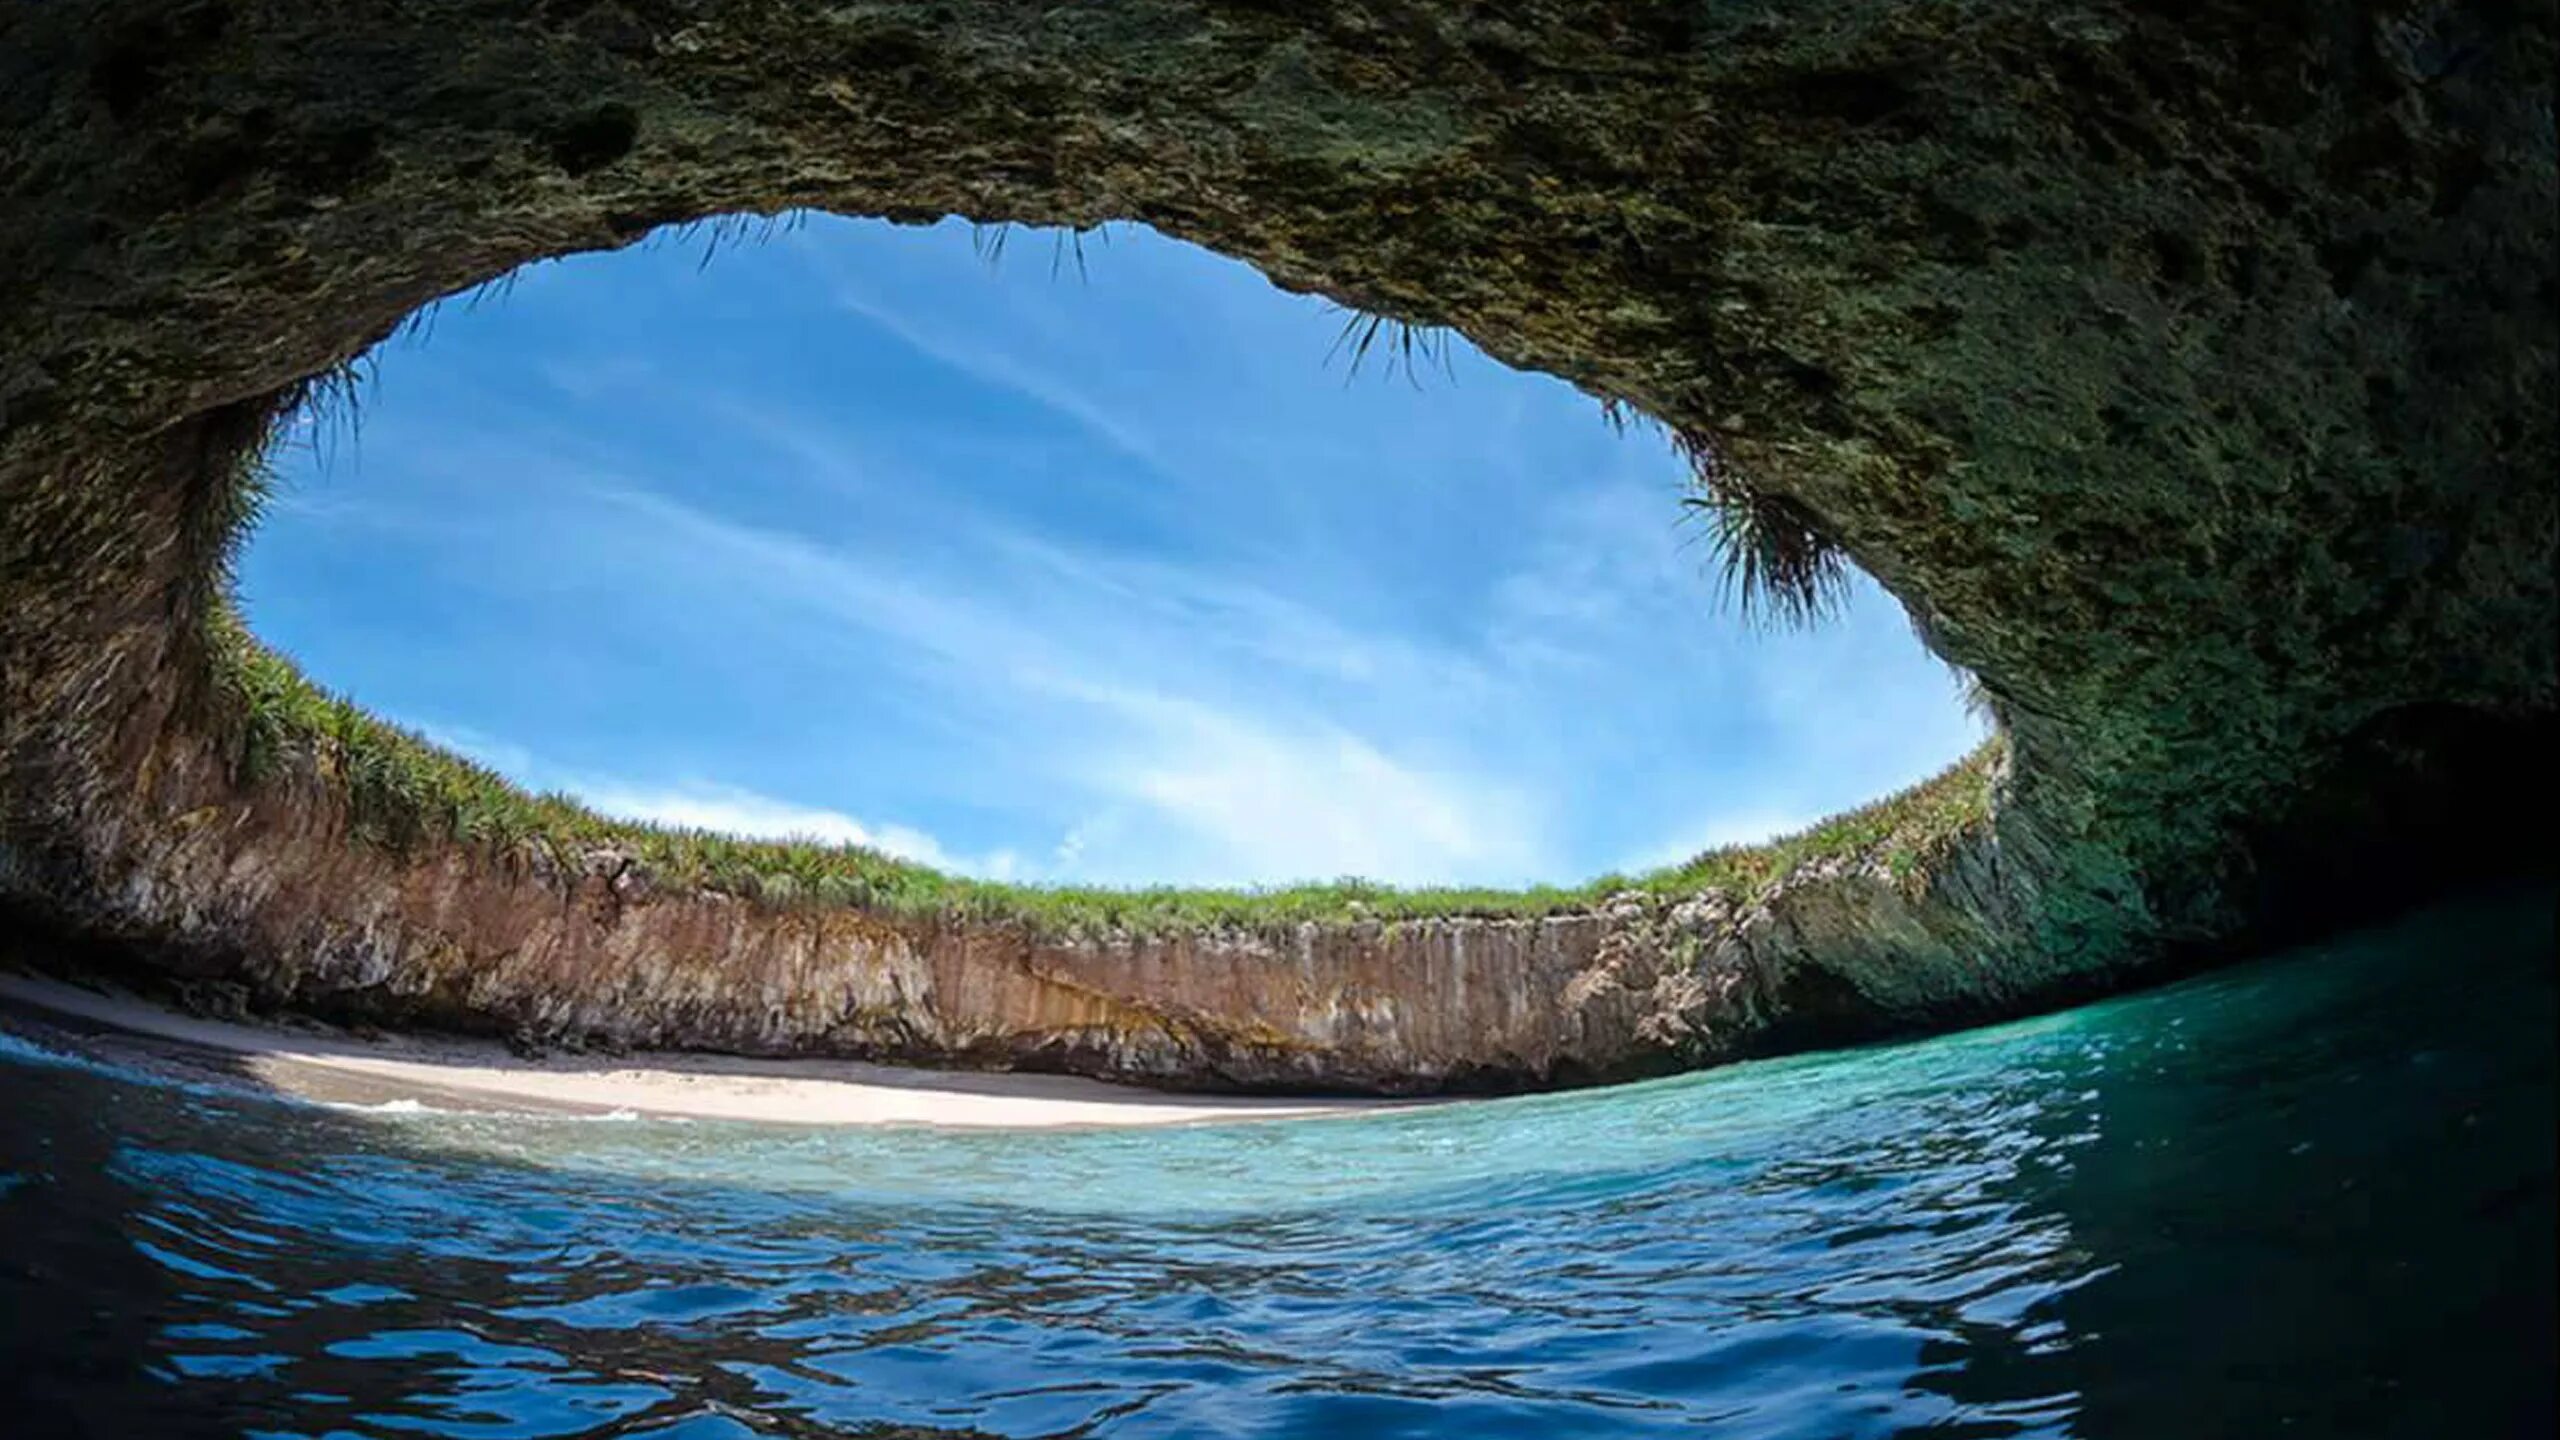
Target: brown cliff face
column 2185, row 370
column 271, row 890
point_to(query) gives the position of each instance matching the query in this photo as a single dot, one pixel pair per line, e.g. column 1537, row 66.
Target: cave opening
column 2049, row 331
column 1060, row 557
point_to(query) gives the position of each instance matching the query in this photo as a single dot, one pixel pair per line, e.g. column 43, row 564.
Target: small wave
column 18, row 1047
column 406, row 1106
column 386, row 1107
column 25, row 1049
column 22, row 1047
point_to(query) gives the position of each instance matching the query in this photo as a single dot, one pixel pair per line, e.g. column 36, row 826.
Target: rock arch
column 2185, row 368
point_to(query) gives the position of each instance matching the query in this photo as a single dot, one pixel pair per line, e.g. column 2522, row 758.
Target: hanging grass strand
column 1773, row 564
column 1408, row 346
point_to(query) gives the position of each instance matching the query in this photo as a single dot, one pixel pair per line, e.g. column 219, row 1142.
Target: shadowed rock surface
column 2185, row 368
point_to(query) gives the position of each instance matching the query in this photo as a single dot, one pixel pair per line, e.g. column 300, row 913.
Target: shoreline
column 319, row 1063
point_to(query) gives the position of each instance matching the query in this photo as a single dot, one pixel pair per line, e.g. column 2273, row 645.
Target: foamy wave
column 386, row 1107
column 17, row 1047
column 407, row 1106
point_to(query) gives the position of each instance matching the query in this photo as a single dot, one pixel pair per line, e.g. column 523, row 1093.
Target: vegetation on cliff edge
column 403, row 792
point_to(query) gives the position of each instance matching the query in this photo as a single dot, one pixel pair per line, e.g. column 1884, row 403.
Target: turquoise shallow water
column 2309, row 1196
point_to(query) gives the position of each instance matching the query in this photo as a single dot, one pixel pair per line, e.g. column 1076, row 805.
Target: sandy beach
column 320, row 1063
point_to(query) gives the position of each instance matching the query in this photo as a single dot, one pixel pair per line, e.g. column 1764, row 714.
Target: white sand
column 320, row 1063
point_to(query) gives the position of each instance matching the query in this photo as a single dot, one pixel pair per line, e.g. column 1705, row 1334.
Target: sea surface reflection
column 2308, row 1196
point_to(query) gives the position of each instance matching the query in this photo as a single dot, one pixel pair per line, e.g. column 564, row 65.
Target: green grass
column 403, row 792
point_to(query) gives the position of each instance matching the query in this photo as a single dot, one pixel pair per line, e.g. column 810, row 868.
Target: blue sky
column 1110, row 578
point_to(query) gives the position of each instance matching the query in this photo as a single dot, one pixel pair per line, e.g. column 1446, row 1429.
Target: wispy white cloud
column 710, row 805
column 994, row 367
column 1206, row 794
column 731, row 810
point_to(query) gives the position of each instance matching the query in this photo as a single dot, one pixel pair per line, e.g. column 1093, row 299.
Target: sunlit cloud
column 709, row 805
column 1214, row 770
column 733, row 811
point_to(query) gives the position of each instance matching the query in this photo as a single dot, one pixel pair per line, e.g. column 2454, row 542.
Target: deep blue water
column 2310, row 1196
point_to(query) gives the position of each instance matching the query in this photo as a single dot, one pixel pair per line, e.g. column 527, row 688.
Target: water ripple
column 2313, row 1195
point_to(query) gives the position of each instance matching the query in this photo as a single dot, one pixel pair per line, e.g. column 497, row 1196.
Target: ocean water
column 2307, row 1196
